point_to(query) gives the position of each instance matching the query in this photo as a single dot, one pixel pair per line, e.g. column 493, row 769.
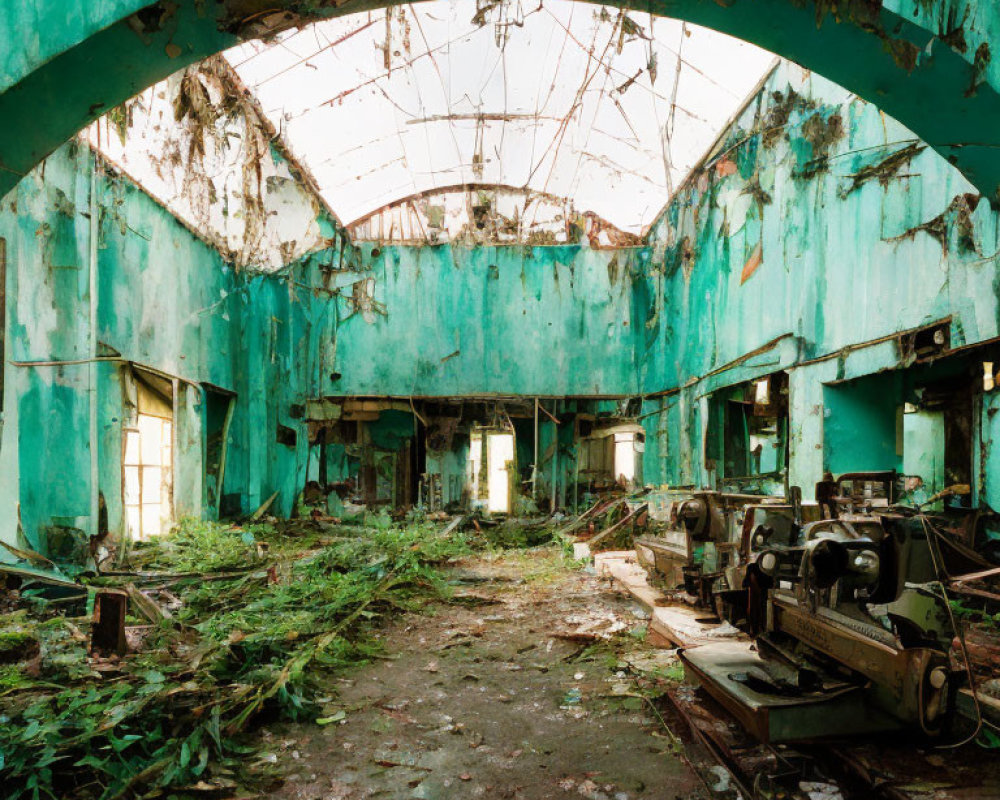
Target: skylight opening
column 603, row 109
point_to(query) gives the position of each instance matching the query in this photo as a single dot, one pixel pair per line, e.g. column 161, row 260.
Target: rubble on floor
column 491, row 700
column 206, row 661
column 609, row 523
column 225, row 625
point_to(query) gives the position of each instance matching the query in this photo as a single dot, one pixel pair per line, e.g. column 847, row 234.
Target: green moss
column 12, row 677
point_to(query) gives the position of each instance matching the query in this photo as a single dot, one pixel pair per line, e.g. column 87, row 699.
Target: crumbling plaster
column 486, row 320
column 818, row 224
column 199, row 144
column 165, row 299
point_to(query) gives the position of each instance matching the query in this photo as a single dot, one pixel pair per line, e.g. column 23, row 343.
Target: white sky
column 557, row 97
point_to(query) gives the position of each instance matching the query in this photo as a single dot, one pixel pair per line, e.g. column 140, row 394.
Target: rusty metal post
column 107, row 633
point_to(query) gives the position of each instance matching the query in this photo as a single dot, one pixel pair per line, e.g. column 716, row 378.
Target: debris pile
column 609, row 523
column 224, row 624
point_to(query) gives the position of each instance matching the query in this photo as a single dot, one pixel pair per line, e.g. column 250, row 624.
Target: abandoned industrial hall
column 500, row 399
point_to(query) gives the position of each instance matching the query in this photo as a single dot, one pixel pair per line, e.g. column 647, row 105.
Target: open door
column 219, row 405
column 499, row 462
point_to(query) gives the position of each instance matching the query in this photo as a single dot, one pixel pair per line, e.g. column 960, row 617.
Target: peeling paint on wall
column 837, row 258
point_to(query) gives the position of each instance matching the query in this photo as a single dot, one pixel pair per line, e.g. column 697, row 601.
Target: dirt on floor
column 522, row 686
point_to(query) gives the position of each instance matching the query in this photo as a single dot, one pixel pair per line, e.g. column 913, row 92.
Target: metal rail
column 757, row 768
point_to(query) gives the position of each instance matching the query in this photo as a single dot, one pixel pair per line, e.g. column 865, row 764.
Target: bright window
column 148, row 472
column 499, row 455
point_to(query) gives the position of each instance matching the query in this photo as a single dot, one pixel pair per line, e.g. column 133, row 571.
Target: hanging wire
column 603, row 127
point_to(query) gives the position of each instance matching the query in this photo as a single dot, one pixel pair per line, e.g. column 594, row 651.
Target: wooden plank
column 145, row 605
column 107, row 633
column 976, row 576
column 601, row 505
column 630, row 517
column 29, row 555
column 264, row 507
column 453, row 524
column 960, row 588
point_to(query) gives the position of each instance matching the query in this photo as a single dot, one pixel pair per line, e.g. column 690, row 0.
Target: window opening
column 753, row 418
column 920, row 423
column 937, row 441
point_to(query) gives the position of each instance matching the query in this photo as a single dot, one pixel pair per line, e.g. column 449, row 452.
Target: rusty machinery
column 710, row 538
column 852, row 632
column 688, row 545
column 696, row 543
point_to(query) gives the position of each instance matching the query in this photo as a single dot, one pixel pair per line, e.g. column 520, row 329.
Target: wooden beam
column 630, row 517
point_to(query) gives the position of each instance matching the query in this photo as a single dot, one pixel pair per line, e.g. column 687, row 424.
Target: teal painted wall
column 814, row 232
column 439, row 321
column 166, row 300
column 450, row 320
column 860, row 424
column 860, row 232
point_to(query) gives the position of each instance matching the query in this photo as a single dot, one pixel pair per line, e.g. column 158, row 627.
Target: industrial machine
column 695, row 526
column 708, row 539
column 857, row 493
column 697, row 540
column 852, row 632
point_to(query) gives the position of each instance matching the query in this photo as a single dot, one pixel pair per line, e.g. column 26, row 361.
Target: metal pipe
column 555, row 454
column 576, row 476
column 175, row 401
column 534, row 466
column 413, row 408
column 108, row 359
column 546, row 413
column 94, row 232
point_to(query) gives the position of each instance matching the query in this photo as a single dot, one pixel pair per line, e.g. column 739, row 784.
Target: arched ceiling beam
column 68, row 62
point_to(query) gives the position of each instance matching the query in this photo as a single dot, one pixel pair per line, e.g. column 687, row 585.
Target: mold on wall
column 816, row 235
column 199, row 144
column 509, row 320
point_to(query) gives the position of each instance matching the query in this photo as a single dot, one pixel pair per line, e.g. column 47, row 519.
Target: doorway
column 147, row 462
column 499, row 463
column 491, row 464
column 625, row 458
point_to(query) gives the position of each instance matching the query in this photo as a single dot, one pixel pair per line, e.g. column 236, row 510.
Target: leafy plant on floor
column 197, row 546
column 510, row 535
column 241, row 646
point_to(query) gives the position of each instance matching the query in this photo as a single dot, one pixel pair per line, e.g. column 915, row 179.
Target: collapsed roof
column 562, row 122
column 606, row 108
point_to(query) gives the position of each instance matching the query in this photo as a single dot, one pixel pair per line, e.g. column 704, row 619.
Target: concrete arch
column 925, row 62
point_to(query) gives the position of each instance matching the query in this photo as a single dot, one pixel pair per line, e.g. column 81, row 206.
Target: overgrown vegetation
column 262, row 614
column 510, row 535
column 975, row 615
